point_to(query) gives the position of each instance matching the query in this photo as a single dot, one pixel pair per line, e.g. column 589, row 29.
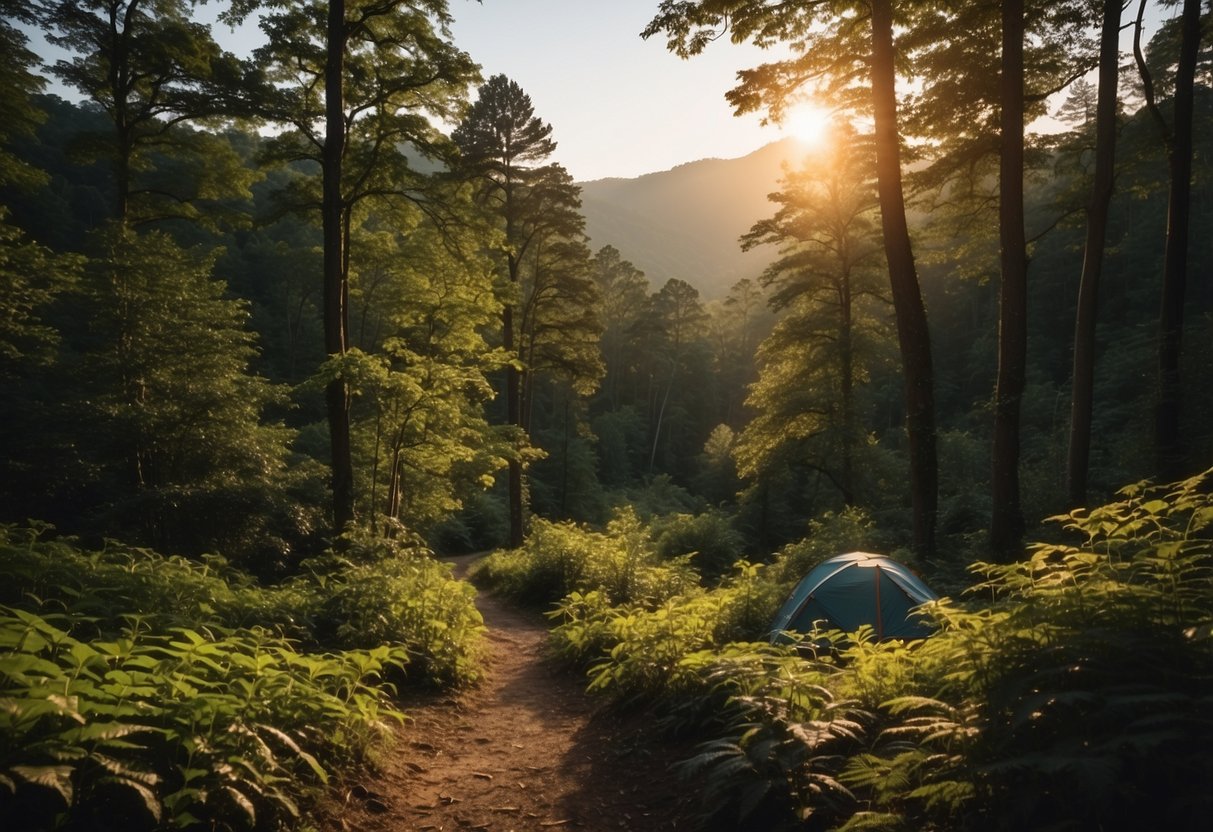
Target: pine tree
column 547, row 319
column 826, row 279
column 848, row 51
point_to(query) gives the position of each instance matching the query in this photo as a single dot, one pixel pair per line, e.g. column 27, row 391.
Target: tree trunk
column 912, row 333
column 1168, row 440
column 1082, row 393
column 564, row 461
column 850, row 430
column 665, row 399
column 335, row 312
column 118, row 78
column 1006, row 520
column 513, row 417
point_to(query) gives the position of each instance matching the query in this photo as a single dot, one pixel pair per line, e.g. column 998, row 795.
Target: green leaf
column 58, row 778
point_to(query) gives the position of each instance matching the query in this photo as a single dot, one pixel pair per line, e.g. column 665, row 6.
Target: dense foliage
column 1067, row 690
column 145, row 691
column 264, row 314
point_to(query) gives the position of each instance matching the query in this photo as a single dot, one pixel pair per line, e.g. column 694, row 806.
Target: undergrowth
column 140, row 691
column 1070, row 690
column 620, row 564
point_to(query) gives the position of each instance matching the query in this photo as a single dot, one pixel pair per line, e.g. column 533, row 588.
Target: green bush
column 186, row 728
column 660, row 495
column 649, row 640
column 376, row 592
column 560, row 558
column 1072, row 691
column 832, row 534
column 107, row 586
column 413, row 602
column 147, row 691
column 709, row 537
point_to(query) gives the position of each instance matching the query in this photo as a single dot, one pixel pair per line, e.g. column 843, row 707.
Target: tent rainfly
column 848, row 591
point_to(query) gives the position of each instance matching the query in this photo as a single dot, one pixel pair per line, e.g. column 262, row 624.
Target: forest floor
column 527, row 750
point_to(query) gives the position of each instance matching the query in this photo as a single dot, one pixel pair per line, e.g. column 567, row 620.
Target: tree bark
column 513, row 415
column 1082, row 393
column 1168, row 438
column 912, row 332
column 850, row 428
column 1006, row 520
column 336, row 327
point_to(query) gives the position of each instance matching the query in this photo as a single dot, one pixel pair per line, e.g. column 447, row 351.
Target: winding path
column 526, row 750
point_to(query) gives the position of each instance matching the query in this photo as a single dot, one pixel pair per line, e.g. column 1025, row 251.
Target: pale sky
column 618, row 105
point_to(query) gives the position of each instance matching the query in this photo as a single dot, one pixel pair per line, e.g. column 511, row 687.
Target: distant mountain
column 686, row 222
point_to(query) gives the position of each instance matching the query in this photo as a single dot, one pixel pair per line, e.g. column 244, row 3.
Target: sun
column 807, row 122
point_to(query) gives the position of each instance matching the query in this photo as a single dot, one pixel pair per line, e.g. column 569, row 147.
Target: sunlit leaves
column 167, row 694
column 150, row 68
column 813, row 365
column 402, row 76
column 1074, row 685
column 421, row 301
column 18, row 115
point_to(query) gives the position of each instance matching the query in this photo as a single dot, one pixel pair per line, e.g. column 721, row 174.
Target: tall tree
column 1083, row 376
column 1168, row 440
column 357, row 83
column 559, row 330
column 176, row 438
column 31, row 278
column 979, row 92
column 912, row 331
column 1006, row 516
column 503, row 146
column 623, row 292
column 676, row 317
column 151, row 69
column 848, row 51
column 736, row 324
column 421, row 302
column 827, row 280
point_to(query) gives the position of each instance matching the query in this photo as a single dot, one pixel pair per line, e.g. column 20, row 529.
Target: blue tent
column 848, row 591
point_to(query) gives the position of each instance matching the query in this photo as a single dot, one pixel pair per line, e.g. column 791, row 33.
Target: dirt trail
column 524, row 751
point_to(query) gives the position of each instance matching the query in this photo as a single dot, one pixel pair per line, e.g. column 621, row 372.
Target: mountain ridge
column 685, row 222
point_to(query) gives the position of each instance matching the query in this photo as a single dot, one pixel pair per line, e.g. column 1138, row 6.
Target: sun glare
column 807, row 122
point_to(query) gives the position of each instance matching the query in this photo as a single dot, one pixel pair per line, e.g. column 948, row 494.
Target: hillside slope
column 685, row 222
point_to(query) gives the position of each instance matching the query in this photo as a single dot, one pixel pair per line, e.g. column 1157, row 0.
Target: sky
column 618, row 105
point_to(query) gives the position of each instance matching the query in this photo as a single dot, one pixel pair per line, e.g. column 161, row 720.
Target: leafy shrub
column 710, row 537
column 1096, row 705
column 560, row 558
column 106, row 586
column 661, row 495
column 413, row 602
column 1072, row 692
column 782, row 744
column 832, row 534
column 590, row 631
column 144, row 691
column 182, row 728
column 377, row 592
column 749, row 601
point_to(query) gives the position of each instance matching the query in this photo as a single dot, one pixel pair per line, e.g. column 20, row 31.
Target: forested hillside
column 280, row 332
column 685, row 222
